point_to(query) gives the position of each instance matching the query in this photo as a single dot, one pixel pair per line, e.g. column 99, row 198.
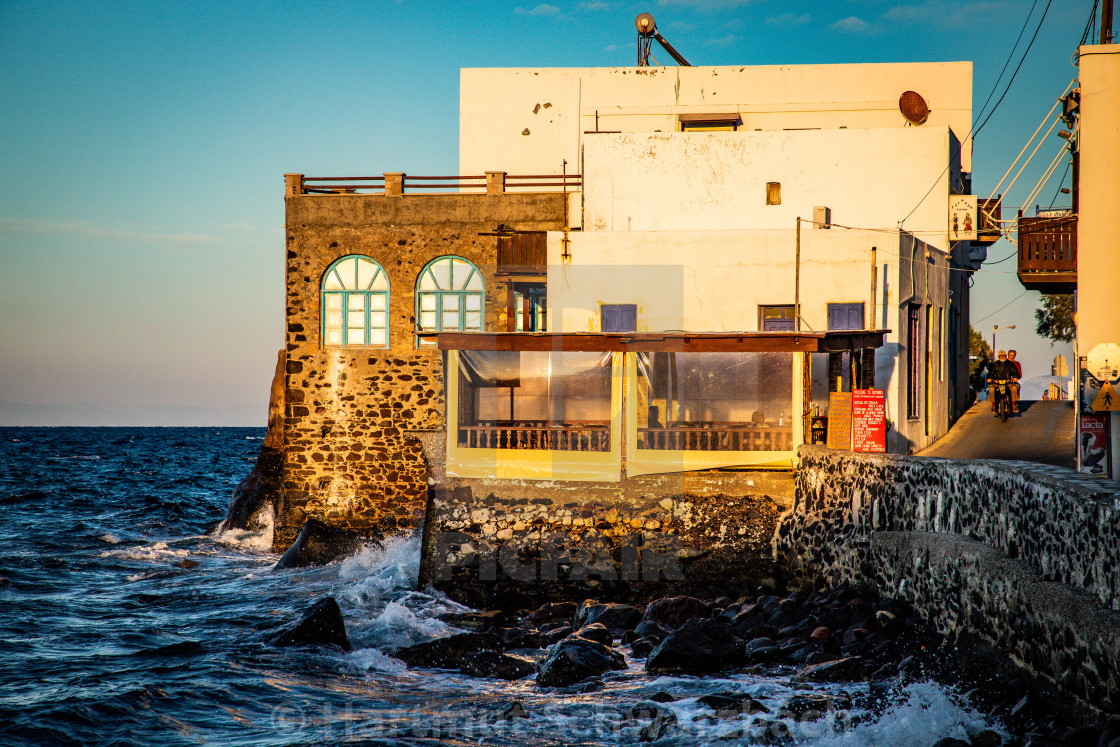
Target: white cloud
column 91, row 231
column 788, row 19
column 723, row 41
column 852, row 25
column 544, row 9
column 595, row 5
column 707, row 5
column 950, row 12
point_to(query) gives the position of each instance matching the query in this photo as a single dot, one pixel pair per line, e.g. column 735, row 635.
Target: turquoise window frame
column 365, row 296
column 457, row 289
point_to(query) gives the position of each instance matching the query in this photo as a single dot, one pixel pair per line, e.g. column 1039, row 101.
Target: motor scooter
column 1001, row 393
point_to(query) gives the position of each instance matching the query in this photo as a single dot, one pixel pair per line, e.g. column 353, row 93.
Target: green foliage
column 1055, row 320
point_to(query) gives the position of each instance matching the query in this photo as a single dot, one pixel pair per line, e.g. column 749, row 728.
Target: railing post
column 293, row 185
column 394, row 183
column 495, row 182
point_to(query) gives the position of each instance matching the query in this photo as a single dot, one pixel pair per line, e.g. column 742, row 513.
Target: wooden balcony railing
column 398, row 183
column 1048, row 253
column 523, row 253
column 584, row 436
column 717, row 438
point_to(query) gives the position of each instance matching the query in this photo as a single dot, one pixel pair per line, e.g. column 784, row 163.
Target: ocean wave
column 156, row 551
column 258, row 540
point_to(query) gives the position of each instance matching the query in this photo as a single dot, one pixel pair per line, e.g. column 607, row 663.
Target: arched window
column 449, row 296
column 355, row 311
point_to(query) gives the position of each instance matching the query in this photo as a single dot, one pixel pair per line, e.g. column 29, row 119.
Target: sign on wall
column 962, row 217
column 839, row 420
column 869, row 421
column 1093, row 441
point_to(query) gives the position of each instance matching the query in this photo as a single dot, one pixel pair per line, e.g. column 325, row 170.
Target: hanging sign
column 869, row 421
column 1093, row 443
column 1106, row 400
column 962, row 217
column 839, row 420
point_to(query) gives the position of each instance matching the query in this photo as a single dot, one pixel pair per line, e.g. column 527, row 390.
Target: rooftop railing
column 1048, row 253
column 398, row 183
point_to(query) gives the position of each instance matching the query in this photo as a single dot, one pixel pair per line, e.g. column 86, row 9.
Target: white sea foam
column 110, row 539
column 373, row 660
column 157, row 551
column 259, row 540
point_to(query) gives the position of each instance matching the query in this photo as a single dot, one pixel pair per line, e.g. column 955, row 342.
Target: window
column 845, row 316
column 776, row 319
column 773, row 193
column 355, row 304
column 619, row 317
column 529, row 307
column 449, row 296
column 709, row 122
column 914, row 361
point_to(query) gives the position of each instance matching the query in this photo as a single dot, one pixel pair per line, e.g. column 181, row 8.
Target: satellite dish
column 644, row 24
column 913, row 107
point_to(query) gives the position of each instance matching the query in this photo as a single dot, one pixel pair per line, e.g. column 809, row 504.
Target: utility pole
column 1106, row 22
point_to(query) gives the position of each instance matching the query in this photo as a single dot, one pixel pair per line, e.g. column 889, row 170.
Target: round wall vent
column 913, row 107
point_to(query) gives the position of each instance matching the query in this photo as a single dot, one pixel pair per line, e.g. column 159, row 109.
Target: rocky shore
column 848, row 653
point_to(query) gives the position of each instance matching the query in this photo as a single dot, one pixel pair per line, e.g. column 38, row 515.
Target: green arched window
column 449, row 296
column 355, row 310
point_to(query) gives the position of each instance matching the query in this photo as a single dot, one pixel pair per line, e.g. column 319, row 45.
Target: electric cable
column 1001, row 308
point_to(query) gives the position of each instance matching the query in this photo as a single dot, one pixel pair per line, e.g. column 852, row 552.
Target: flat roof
column 656, row 342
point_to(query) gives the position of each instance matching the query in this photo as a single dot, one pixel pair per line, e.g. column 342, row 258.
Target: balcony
column 1048, row 253
column 988, row 220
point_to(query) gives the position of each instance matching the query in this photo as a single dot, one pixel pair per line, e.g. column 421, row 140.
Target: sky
column 143, row 147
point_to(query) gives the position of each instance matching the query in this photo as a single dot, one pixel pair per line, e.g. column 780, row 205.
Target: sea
column 126, row 619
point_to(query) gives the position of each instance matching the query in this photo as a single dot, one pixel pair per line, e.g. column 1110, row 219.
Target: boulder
column 614, row 616
column 812, row 706
column 651, row 630
column 554, row 612
column 673, row 612
column 447, row 653
column 843, row 670
column 732, row 705
column 596, row 632
column 495, row 665
column 322, row 625
column 642, row 648
column 698, row 647
column 574, row 659
column 473, row 620
column 319, row 544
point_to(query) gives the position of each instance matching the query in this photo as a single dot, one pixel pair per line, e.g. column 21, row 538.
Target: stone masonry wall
column 1023, row 556
column 347, row 459
column 503, row 543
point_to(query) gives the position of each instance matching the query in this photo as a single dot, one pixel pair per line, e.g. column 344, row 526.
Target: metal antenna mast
column 647, row 32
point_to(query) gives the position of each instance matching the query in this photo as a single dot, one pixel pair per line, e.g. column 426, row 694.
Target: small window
column 776, row 319
column 529, row 307
column 773, row 193
column 619, row 317
column 355, row 304
column 709, row 122
column 845, row 316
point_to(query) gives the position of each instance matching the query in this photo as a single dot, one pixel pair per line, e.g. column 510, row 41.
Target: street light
column 997, row 329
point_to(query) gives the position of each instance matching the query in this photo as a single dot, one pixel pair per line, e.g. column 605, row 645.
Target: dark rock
column 187, row 564
column 1082, row 736
column 596, row 632
column 673, row 612
column 987, row 738
column 322, row 625
column 731, row 705
column 698, row 647
column 822, row 634
column 520, row 638
column 549, row 613
column 658, row 727
column 844, row 670
column 811, row 706
column 646, row 710
column 472, row 620
column 253, row 506
column 758, row 643
column 574, row 659
column 614, row 616
column 447, row 653
column 554, row 634
column 771, row 733
column 494, row 665
column 650, row 629
column 662, row 697
column 764, row 654
column 950, row 742
column 319, row 544
column 642, row 648
column 513, row 711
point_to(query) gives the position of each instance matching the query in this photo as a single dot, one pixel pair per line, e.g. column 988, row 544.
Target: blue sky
column 143, row 147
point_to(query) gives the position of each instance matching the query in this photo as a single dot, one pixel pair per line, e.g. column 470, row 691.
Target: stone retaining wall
column 1023, row 556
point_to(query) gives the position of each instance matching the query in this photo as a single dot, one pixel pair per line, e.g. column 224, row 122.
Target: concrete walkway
column 1042, row 432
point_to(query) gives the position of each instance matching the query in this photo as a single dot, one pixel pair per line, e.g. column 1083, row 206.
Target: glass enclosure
column 715, row 402
column 559, row 401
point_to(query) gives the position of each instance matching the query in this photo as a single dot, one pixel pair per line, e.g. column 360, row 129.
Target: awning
column 656, row 342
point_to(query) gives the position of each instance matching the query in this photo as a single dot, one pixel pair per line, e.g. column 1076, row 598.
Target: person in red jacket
column 1015, row 385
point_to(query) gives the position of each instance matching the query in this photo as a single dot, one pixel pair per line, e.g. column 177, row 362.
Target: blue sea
column 126, row 620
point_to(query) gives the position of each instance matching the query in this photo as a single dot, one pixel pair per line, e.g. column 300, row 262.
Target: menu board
column 839, row 420
column 869, row 421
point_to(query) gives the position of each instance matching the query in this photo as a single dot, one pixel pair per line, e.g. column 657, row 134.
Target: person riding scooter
column 1000, row 370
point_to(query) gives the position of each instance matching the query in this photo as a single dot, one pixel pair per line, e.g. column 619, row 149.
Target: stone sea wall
column 1025, row 557
column 347, row 460
column 517, row 543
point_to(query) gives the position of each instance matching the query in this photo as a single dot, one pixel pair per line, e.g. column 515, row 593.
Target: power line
column 1063, row 181
column 1001, row 308
column 1017, row 67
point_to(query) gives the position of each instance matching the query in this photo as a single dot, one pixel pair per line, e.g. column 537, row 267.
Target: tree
column 1055, row 320
column 979, row 353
